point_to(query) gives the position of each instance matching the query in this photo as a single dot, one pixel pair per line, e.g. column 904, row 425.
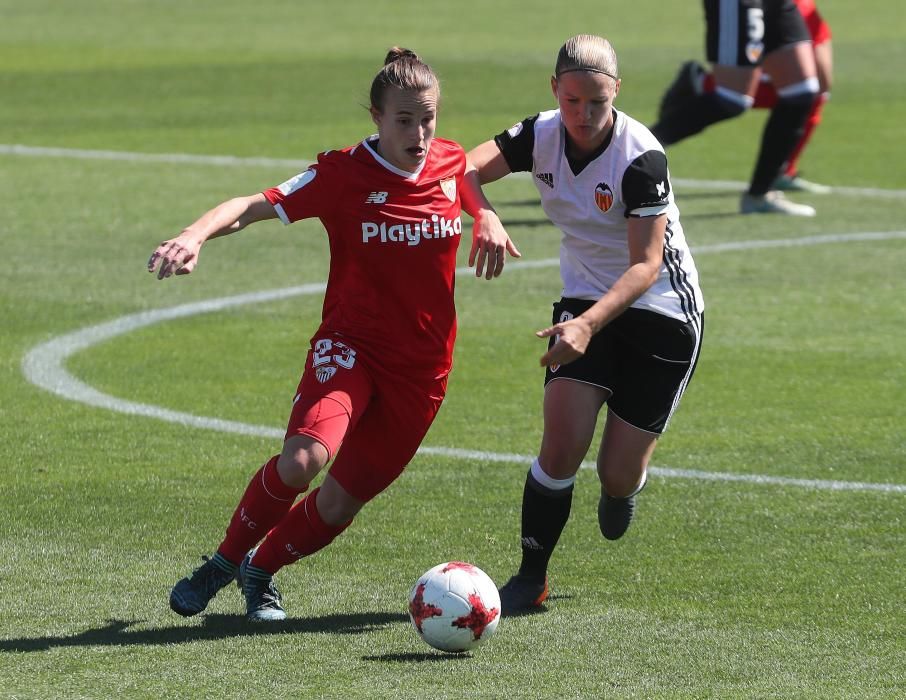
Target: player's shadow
column 428, row 656
column 540, row 610
column 117, row 632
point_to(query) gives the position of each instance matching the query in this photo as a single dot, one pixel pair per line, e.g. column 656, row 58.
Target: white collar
column 388, row 165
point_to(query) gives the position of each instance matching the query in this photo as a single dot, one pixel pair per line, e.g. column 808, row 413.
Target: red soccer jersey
column 393, row 239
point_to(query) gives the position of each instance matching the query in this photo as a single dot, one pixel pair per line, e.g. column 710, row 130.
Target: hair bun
column 396, row 53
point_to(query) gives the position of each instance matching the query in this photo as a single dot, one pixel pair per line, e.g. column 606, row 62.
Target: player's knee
column 799, row 97
column 560, row 482
column 693, row 114
column 335, row 505
column 301, row 461
column 727, row 104
column 561, row 460
column 622, row 483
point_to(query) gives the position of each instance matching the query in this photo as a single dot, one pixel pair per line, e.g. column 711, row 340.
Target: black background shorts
column 644, row 358
column 742, row 32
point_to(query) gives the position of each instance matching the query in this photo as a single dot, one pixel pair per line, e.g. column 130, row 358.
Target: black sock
column 544, row 515
column 781, row 133
column 692, row 115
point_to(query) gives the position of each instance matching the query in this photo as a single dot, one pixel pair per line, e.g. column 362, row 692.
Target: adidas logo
column 546, row 178
column 376, row 198
column 531, row 543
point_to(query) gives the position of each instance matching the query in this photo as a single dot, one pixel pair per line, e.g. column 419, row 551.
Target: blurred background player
column 744, row 37
column 628, row 328
column 376, row 373
column 699, row 80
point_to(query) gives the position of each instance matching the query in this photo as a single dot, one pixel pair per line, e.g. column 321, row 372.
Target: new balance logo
column 376, row 198
column 546, row 178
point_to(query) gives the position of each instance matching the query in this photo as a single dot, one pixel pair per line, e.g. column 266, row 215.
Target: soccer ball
column 454, row 606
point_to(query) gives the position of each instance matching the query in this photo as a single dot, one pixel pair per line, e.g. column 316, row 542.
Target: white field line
column 13, row 149
column 43, row 366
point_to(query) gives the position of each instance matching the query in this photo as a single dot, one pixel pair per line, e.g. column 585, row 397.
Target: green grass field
column 766, row 560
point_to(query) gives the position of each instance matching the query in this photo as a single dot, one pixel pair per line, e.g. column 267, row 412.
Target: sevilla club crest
column 449, row 188
column 603, row 196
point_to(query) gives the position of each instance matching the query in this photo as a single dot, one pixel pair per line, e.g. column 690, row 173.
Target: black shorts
column 643, row 358
column 742, row 32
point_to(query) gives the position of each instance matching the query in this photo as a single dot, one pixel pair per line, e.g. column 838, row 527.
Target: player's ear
column 375, row 116
column 616, row 87
column 554, row 86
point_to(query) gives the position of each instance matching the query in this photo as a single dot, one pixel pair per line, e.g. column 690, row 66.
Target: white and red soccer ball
column 454, row 606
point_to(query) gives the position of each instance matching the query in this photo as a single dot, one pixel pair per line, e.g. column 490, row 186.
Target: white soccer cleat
column 773, row 202
column 795, row 183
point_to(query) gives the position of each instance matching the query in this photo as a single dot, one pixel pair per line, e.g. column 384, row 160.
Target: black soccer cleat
column 614, row 515
column 263, row 601
column 523, row 593
column 192, row 594
column 685, row 86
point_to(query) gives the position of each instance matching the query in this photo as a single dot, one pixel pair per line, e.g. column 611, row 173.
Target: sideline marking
column 15, row 149
column 43, row 367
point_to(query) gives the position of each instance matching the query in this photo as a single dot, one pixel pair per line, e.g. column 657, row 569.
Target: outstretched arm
column 180, row 255
column 490, row 241
column 646, row 253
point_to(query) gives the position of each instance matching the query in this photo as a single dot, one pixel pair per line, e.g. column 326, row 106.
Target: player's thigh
column 743, row 81
column 655, row 356
column 573, row 396
column 387, row 436
column 335, row 390
column 571, row 410
column 791, row 64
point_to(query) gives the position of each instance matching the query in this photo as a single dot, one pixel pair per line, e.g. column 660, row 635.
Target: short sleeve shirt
column 393, row 237
column 590, row 201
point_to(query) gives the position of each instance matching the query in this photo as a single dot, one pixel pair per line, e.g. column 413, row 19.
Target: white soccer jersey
column 626, row 177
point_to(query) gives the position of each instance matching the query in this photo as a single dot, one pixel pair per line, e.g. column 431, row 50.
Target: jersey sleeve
column 517, row 143
column 646, row 185
column 306, row 195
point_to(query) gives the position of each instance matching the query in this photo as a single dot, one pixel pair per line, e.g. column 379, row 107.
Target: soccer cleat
column 773, row 202
column 192, row 594
column 262, row 599
column 686, row 85
column 523, row 593
column 794, row 183
column 614, row 515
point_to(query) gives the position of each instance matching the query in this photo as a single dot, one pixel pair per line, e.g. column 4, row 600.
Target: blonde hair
column 404, row 70
column 587, row 52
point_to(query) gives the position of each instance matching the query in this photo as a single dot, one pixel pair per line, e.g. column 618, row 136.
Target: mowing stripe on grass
column 14, row 149
column 43, row 367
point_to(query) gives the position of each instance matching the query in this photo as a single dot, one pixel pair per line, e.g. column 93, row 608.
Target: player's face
column 406, row 126
column 585, row 100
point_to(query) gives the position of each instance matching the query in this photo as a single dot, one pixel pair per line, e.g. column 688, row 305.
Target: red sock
column 814, row 118
column 300, row 533
column 765, row 95
column 265, row 501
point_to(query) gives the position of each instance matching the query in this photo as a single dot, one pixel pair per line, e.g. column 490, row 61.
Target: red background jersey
column 393, row 239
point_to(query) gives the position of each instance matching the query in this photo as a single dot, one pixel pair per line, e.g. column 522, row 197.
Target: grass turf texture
column 718, row 590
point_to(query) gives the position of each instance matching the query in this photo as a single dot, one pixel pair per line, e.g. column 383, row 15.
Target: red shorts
column 817, row 27
column 371, row 421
